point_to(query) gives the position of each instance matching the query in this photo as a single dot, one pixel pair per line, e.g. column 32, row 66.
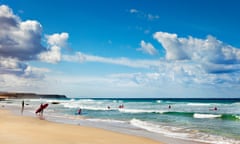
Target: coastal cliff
column 13, row 95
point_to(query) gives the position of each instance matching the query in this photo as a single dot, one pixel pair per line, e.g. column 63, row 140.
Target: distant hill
column 13, row 95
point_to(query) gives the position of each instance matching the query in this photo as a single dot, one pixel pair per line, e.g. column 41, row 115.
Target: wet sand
column 31, row 130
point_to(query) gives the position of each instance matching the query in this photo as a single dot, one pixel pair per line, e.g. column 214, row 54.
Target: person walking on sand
column 41, row 112
column 22, row 107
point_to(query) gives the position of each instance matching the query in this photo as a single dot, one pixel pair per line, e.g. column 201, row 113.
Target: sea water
column 203, row 120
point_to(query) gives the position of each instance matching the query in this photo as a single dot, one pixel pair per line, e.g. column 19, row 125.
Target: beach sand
column 31, row 130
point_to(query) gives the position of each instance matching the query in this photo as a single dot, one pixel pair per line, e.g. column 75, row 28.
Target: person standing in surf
column 169, row 106
column 22, row 107
column 79, row 111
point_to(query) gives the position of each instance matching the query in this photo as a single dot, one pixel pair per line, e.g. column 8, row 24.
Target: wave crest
column 197, row 115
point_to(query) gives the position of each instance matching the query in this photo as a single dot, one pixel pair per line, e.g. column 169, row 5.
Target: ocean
column 214, row 121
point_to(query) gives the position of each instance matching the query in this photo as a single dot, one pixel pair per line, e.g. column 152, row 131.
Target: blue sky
column 127, row 48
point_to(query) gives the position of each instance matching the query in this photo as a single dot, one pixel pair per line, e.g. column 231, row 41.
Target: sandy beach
column 31, row 130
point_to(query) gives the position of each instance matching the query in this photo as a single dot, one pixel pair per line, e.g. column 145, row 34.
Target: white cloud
column 19, row 39
column 116, row 85
column 198, row 62
column 80, row 57
column 133, row 11
column 209, row 51
column 190, row 64
column 137, row 79
column 179, row 74
column 147, row 48
column 170, row 43
column 144, row 15
column 152, row 17
column 51, row 56
column 184, row 72
column 57, row 39
column 15, row 83
column 5, row 11
column 12, row 65
column 56, row 42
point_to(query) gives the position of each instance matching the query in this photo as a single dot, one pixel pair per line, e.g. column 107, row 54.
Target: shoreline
column 24, row 129
column 14, row 111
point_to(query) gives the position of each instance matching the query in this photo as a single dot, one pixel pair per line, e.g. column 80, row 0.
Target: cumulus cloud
column 147, row 48
column 56, row 42
column 170, row 43
column 188, row 61
column 213, row 54
column 57, row 39
column 12, row 65
column 208, row 50
column 51, row 56
column 21, row 40
column 15, row 67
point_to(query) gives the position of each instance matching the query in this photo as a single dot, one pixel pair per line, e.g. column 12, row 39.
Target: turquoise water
column 191, row 119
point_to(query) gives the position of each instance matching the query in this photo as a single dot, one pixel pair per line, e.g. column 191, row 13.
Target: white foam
column 159, row 101
column 71, row 105
column 139, row 111
column 198, row 104
column 237, row 117
column 72, row 100
column 197, row 115
column 85, row 104
column 186, row 134
column 165, row 130
column 106, row 120
column 94, row 108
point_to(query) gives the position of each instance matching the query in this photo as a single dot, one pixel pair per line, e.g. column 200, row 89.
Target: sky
column 121, row 48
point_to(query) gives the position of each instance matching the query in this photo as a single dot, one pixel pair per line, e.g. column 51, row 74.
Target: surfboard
column 42, row 107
